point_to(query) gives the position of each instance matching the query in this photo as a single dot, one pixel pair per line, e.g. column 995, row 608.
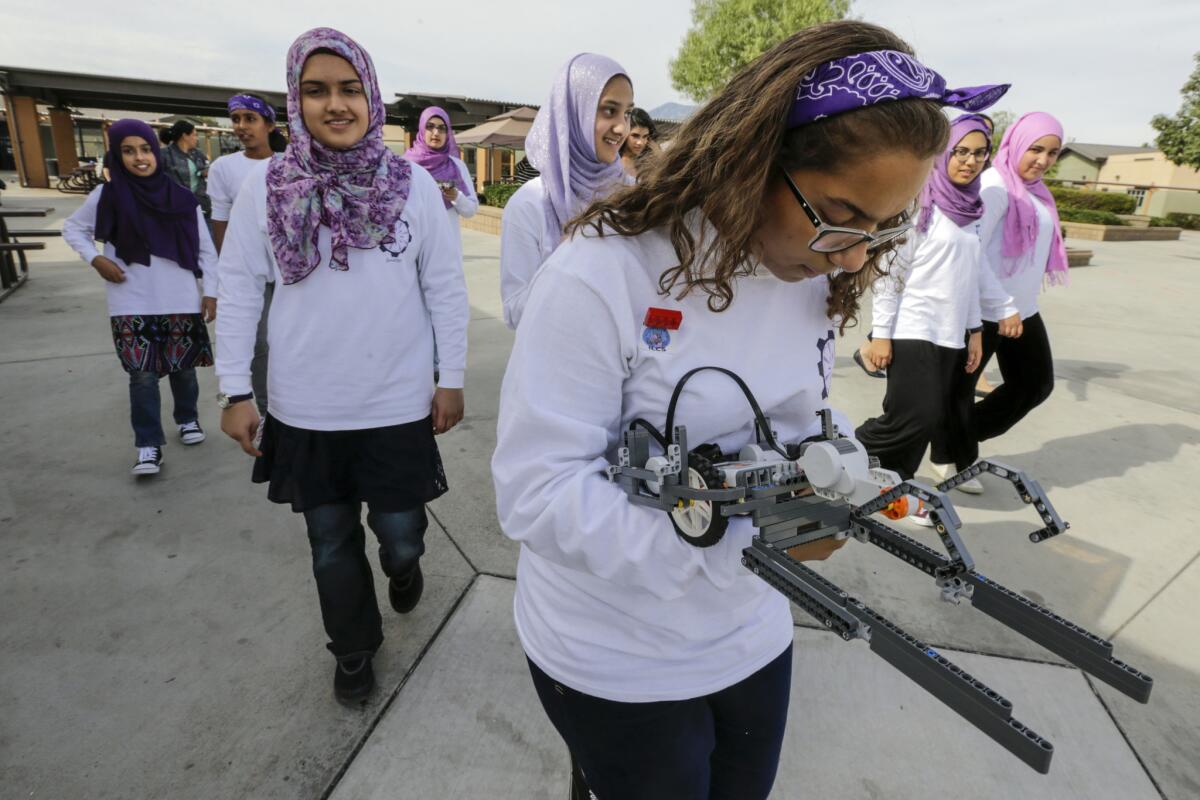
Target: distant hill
column 674, row 112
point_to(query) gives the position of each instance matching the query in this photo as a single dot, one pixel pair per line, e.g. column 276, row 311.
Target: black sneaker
column 405, row 593
column 191, row 433
column 149, row 461
column 353, row 680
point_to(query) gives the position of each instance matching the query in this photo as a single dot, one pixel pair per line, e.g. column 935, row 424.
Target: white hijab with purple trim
column 359, row 192
column 562, row 142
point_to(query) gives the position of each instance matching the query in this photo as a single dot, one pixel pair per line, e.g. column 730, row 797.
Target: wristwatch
column 225, row 400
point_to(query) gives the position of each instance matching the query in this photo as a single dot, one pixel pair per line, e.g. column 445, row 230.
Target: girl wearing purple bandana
column 1023, row 247
column 926, row 320
column 156, row 252
column 434, row 149
column 666, row 668
column 253, row 121
column 368, row 277
column 575, row 143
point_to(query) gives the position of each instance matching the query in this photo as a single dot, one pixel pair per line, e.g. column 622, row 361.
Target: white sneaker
column 191, row 433
column 149, row 461
column 921, row 517
column 945, row 471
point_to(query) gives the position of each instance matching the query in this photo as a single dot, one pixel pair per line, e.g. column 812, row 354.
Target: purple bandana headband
column 245, row 102
column 865, row 79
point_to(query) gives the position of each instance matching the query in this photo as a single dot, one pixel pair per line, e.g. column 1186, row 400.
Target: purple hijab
column 358, row 193
column 959, row 203
column 562, row 142
column 439, row 163
column 144, row 216
column 1020, row 223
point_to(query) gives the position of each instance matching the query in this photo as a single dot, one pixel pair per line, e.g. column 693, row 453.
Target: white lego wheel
column 699, row 522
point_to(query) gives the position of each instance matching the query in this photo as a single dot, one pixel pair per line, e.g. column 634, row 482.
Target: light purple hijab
column 358, row 193
column 562, row 142
column 959, row 203
column 439, row 163
column 1020, row 223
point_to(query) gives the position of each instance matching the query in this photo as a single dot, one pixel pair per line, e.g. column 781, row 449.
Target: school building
column 53, row 122
column 1160, row 187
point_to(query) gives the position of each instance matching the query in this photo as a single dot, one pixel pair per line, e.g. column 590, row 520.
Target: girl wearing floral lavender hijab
column 575, row 143
column 367, row 279
column 666, row 668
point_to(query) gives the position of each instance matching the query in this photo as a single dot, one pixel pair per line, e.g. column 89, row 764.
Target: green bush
column 1161, row 222
column 1189, row 221
column 497, row 194
column 1069, row 214
column 1094, row 201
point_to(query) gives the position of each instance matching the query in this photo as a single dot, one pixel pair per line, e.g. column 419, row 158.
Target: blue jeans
column 723, row 746
column 345, row 582
column 145, row 405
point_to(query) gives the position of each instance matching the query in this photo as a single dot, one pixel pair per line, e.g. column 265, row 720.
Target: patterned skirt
column 161, row 343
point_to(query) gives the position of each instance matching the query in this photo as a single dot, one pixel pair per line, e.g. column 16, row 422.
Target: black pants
column 928, row 403
column 345, row 583
column 724, row 746
column 1028, row 371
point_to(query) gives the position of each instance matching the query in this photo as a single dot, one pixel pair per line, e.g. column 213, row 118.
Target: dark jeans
column 345, row 583
column 724, row 746
column 1027, row 367
column 928, row 402
column 145, row 405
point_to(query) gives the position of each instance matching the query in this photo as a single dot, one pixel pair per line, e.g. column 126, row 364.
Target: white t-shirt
column 164, row 287
column 524, row 245
column 1025, row 283
column 467, row 203
column 350, row 349
column 609, row 600
column 225, row 178
column 936, row 285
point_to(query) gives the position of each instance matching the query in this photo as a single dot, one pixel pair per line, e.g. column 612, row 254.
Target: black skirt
column 394, row 468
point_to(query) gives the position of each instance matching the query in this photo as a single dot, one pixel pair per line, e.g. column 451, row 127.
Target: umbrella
column 504, row 130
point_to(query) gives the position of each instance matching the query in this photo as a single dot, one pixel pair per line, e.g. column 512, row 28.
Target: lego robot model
column 827, row 486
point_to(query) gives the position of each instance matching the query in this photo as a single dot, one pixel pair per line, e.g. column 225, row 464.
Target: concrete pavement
column 163, row 639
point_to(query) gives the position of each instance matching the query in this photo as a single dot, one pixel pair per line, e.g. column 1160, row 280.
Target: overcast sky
column 1104, row 72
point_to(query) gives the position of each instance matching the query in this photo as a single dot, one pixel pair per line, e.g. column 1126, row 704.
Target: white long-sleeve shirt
column 466, row 203
column 936, row 286
column 1025, row 283
column 161, row 288
column 350, row 349
column 609, row 600
column 524, row 246
column 225, row 179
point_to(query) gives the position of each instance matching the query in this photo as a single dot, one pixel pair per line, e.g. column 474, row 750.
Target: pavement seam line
column 1154, row 596
column 446, row 531
column 387, row 704
column 1128, row 743
column 54, row 358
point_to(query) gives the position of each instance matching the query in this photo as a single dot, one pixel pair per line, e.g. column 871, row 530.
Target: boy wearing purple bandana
column 368, row 277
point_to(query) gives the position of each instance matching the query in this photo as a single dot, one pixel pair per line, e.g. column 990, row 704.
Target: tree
column 1179, row 136
column 726, row 35
column 1000, row 120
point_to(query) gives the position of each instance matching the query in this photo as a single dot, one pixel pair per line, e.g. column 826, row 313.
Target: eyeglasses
column 434, row 128
column 832, row 239
column 962, row 154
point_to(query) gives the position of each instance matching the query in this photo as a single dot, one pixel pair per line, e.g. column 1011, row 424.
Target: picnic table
column 14, row 267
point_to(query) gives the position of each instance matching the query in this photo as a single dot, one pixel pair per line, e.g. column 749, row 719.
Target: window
column 1139, row 193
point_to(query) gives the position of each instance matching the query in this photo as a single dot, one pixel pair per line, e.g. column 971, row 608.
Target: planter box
column 1136, row 220
column 1078, row 258
column 486, row 220
column 1119, row 233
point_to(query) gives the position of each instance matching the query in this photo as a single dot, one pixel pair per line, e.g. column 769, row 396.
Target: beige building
column 1160, row 187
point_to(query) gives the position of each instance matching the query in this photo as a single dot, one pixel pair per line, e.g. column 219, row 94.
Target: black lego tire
column 701, row 470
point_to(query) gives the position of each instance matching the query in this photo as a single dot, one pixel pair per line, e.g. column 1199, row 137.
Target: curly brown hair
column 723, row 159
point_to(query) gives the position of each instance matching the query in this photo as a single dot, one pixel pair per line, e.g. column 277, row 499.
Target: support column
column 480, row 168
column 27, row 144
column 63, row 129
column 494, row 170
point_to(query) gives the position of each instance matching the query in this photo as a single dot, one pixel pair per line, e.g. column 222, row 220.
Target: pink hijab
column 1020, row 223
